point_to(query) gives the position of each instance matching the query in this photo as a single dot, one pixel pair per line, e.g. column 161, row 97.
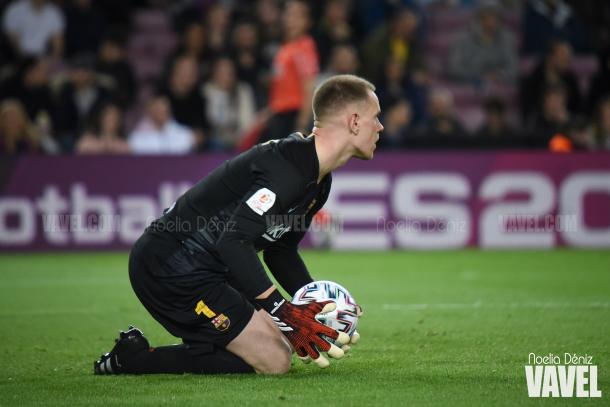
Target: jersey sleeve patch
column 261, row 201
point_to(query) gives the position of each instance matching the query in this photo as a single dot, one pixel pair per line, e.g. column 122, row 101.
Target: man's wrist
column 272, row 302
column 266, row 293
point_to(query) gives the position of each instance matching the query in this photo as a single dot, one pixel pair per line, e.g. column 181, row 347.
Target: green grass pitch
column 440, row 328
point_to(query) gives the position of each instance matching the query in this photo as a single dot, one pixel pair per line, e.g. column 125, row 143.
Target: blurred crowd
column 177, row 77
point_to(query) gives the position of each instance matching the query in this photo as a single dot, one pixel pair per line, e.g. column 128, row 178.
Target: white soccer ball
column 344, row 318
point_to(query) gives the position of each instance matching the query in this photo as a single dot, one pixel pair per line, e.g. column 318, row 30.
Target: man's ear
column 354, row 123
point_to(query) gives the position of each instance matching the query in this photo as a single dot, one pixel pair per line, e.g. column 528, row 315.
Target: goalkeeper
column 196, row 269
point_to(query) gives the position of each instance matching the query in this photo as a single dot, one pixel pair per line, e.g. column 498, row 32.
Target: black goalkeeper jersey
column 263, row 199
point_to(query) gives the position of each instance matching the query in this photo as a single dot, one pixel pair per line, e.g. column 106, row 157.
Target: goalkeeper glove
column 305, row 333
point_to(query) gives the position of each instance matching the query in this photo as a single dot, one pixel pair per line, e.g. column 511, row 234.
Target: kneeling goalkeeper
column 196, row 269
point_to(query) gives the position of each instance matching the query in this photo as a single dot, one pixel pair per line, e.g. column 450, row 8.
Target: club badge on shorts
column 221, row 322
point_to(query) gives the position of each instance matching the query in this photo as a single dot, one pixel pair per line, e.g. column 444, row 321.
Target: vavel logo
column 552, row 376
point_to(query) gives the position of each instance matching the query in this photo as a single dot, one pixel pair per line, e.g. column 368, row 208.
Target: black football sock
column 180, row 359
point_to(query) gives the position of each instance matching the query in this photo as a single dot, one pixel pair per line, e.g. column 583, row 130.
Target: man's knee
column 276, row 360
column 262, row 346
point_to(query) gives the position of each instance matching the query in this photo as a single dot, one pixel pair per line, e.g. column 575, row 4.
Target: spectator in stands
column 230, row 105
column 396, row 40
column 112, row 63
column 395, row 83
column 246, row 53
column 192, row 44
column 372, row 14
column 485, row 51
column 295, row 68
column 218, row 24
column 442, row 120
column 601, row 126
column 554, row 70
column 600, row 83
column 546, row 21
column 105, row 134
column 334, row 29
column 495, row 125
column 187, row 103
column 159, row 133
column 30, row 86
column 85, row 26
column 17, row 133
column 554, row 116
column 268, row 18
column 397, row 124
column 79, row 96
column 33, row 26
column 343, row 61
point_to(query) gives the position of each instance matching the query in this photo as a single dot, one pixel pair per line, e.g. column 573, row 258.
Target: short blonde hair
column 337, row 92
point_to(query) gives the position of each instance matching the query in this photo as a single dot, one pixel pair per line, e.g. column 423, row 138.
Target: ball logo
column 553, row 376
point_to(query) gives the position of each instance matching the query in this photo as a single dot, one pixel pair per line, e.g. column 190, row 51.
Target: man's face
column 369, row 127
column 295, row 19
column 184, row 75
column 159, row 111
column 562, row 57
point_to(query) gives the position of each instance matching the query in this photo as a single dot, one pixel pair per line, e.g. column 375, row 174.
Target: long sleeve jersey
column 263, row 199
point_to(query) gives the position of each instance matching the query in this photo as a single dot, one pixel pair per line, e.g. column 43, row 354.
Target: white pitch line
column 479, row 304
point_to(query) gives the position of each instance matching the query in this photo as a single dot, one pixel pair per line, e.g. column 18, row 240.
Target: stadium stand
column 153, row 34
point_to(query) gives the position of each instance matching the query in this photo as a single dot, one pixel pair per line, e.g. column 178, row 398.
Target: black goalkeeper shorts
column 187, row 291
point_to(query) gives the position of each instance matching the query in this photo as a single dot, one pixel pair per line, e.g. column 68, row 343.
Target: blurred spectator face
column 394, row 70
column 224, row 74
column 489, row 21
column 494, row 115
column 13, row 121
column 245, row 36
column 405, row 24
column 110, row 121
column 336, row 12
column 268, row 12
column 344, row 60
column 399, row 115
column 194, row 38
column 37, row 74
column 159, row 111
column 81, row 76
column 561, row 56
column 184, row 75
column 441, row 103
column 111, row 52
column 554, row 104
column 295, row 19
column 218, row 17
column 495, row 120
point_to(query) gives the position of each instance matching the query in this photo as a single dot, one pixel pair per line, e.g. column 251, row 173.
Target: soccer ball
column 344, row 318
